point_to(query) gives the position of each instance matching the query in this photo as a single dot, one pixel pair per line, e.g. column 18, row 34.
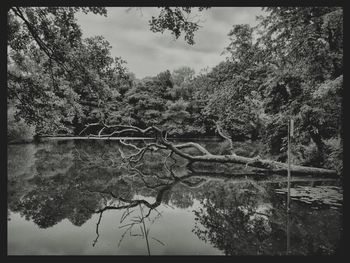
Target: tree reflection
column 235, row 219
column 246, row 219
column 81, row 182
column 75, row 181
column 49, row 203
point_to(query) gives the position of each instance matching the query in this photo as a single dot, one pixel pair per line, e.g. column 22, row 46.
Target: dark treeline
column 289, row 66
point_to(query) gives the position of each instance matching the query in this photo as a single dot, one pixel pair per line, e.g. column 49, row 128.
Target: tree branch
column 220, row 132
column 206, row 156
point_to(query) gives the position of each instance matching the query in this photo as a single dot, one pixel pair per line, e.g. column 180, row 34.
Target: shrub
column 18, row 130
column 334, row 154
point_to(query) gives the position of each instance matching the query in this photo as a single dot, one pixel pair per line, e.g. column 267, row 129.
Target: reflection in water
column 235, row 219
column 139, row 220
column 248, row 219
column 288, row 233
column 74, row 181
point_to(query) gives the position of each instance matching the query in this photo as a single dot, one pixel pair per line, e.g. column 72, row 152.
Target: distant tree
column 176, row 117
column 181, row 79
column 146, row 102
column 182, row 75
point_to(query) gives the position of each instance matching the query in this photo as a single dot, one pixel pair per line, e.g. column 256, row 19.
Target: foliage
column 53, row 72
column 334, row 155
column 177, row 21
column 146, row 102
column 281, row 69
column 305, row 46
column 18, row 130
column 289, row 66
column 176, row 116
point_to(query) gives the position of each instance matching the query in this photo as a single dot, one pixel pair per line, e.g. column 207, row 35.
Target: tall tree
column 51, row 68
column 304, row 48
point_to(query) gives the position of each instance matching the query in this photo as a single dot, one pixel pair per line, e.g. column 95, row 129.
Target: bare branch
column 226, row 137
column 97, row 228
column 206, row 156
column 193, row 145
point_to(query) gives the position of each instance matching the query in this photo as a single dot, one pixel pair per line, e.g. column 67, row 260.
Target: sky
column 148, row 53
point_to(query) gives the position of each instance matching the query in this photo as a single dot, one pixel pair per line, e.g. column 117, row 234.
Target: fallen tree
column 161, row 141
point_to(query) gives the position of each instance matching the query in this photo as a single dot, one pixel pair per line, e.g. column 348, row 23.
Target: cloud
column 235, row 15
column 149, row 53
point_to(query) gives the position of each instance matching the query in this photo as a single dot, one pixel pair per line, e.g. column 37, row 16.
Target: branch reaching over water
column 161, row 142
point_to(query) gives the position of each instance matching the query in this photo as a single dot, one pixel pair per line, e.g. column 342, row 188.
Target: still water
column 80, row 198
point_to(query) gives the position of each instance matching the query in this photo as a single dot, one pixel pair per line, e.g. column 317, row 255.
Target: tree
column 232, row 90
column 176, row 117
column 182, row 75
column 146, row 102
column 49, row 63
column 99, row 87
column 263, row 166
column 177, row 21
column 274, row 72
column 181, row 78
column 289, row 66
column 303, row 47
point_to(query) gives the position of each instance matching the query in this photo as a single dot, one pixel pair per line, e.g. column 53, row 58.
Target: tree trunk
column 269, row 166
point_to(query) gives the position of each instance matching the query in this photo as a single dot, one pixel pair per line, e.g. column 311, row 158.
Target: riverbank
column 63, row 137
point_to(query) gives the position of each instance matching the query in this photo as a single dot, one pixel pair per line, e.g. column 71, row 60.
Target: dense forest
column 289, row 66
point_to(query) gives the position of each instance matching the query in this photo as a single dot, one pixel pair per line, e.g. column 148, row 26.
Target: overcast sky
column 148, row 53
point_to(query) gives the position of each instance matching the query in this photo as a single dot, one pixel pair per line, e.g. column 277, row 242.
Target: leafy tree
column 181, row 78
column 146, row 101
column 303, row 47
column 289, row 66
column 280, row 69
column 177, row 21
column 176, row 117
column 99, row 90
column 182, row 75
column 51, row 68
column 231, row 91
column 276, row 71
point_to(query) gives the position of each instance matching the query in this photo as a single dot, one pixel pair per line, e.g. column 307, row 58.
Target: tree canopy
column 53, row 73
column 288, row 66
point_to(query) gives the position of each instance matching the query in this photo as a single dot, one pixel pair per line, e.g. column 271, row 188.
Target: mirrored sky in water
column 173, row 229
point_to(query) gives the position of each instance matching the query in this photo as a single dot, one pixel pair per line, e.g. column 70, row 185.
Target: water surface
column 79, row 198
